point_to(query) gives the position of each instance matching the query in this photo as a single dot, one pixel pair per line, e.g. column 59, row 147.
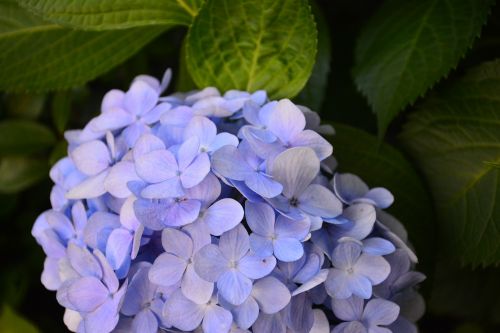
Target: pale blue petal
column 349, row 187
column 286, row 120
column 91, row 157
column 297, row 229
column 118, row 247
column 199, row 233
column 321, row 324
column 313, row 140
column 378, row 246
column 298, row 314
column 119, row 175
column 182, row 213
column 346, row 254
column 337, row 284
column 295, row 169
column 115, row 118
column 312, row 282
column 234, row 244
column 90, row 188
column 363, row 217
column 177, row 243
column 246, row 313
column 217, row 320
column 262, row 246
column 196, row 171
column 209, row 263
column 207, row 191
column 256, row 267
column 83, row 261
column 50, row 275
column 187, row 152
column 109, row 277
column 202, row 128
column 271, row 295
column 155, row 114
column 375, row 268
column 263, row 184
column 98, row 229
column 152, row 213
column 360, row 286
column 234, row 287
column 156, row 166
column 349, row 309
column 380, row 312
column 86, row 294
column 350, row 327
column 317, row 200
column 221, row 140
column 145, row 322
column 167, row 270
column 260, row 218
column 146, row 144
column 183, row 313
column 381, row 197
column 140, row 98
column 195, row 288
column 228, row 162
column 223, row 215
column 287, row 249
column 167, row 189
column 272, row 323
column 102, row 320
column 113, row 98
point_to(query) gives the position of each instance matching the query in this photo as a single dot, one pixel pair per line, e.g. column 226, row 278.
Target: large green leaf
column 19, row 173
column 37, row 55
column 455, row 138
column 22, row 137
column 114, row 14
column 380, row 164
column 409, row 45
column 314, row 91
column 251, row 45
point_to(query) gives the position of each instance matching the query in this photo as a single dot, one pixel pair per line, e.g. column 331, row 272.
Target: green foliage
column 42, row 56
column 409, row 45
column 26, row 106
column 314, row 91
column 114, row 14
column 380, row 164
column 19, row 173
column 452, row 136
column 61, row 109
column 11, row 322
column 22, row 137
column 252, row 45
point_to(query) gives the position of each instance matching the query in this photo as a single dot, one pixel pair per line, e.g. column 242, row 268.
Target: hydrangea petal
column 286, row 120
column 167, row 270
column 194, row 287
column 288, row 249
column 349, row 309
column 145, row 321
column 183, row 313
column 234, row 286
column 209, row 263
column 91, row 157
column 317, row 200
column 380, row 312
column 234, row 244
column 156, row 166
column 217, row 320
column 87, row 293
column 246, row 313
column 118, row 247
column 196, row 171
column 177, row 242
column 119, row 175
column 256, row 267
column 223, row 215
column 260, row 218
column 262, row 246
column 271, row 295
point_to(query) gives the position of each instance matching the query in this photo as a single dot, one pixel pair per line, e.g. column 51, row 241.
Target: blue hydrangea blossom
column 217, row 213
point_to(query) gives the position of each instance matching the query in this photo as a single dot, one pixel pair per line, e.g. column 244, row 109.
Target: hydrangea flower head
column 203, row 212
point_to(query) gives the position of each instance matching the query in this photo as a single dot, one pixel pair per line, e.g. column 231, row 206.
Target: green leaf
column 455, row 138
column 61, row 109
column 19, row 173
column 26, row 106
column 252, row 45
column 11, row 322
column 409, row 45
column 114, row 14
column 60, row 150
column 184, row 81
column 23, row 137
column 314, row 91
column 42, row 56
column 380, row 164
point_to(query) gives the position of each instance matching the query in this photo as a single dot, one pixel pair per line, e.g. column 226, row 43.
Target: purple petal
column 223, row 215
column 118, row 247
column 177, row 243
column 263, row 184
column 262, row 246
column 288, row 249
column 234, row 287
column 86, row 294
column 145, row 321
column 381, row 197
column 377, row 246
column 317, row 200
column 349, row 309
column 196, row 171
column 115, row 118
column 295, row 169
column 350, row 327
column 199, row 234
column 119, row 175
column 108, row 275
column 207, row 191
column 91, row 157
column 209, row 263
column 266, row 323
column 140, row 98
column 271, row 295
column 139, row 291
column 346, row 254
column 234, row 244
column 195, row 288
column 246, row 313
column 286, row 120
column 260, row 218
column 202, row 128
column 298, row 314
column 380, row 312
column 256, row 267
column 221, row 140
column 183, row 313
column 228, row 162
column 72, row 319
column 167, row 270
column 155, row 114
column 217, row 320
column 146, row 144
column 105, row 318
column 156, row 166
column 313, row 282
column 187, row 152
column 182, row 213
column 98, row 228
column 91, row 187
column 349, row 187
column 375, row 268
column 152, row 214
column 360, row 286
column 321, row 324
column 167, row 189
column 50, row 275
column 337, row 284
column 298, row 229
column 313, row 140
column 83, row 261
column 363, row 217
column 113, row 98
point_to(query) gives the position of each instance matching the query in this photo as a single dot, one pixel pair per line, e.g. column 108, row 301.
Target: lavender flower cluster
column 203, row 212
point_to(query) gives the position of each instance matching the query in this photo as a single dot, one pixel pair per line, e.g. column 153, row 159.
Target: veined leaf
column 455, row 138
column 19, row 173
column 42, row 56
column 409, row 45
column 114, row 14
column 251, row 45
column 22, row 137
column 380, row 164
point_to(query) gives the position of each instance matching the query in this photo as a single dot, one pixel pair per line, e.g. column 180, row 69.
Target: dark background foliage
column 427, row 129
